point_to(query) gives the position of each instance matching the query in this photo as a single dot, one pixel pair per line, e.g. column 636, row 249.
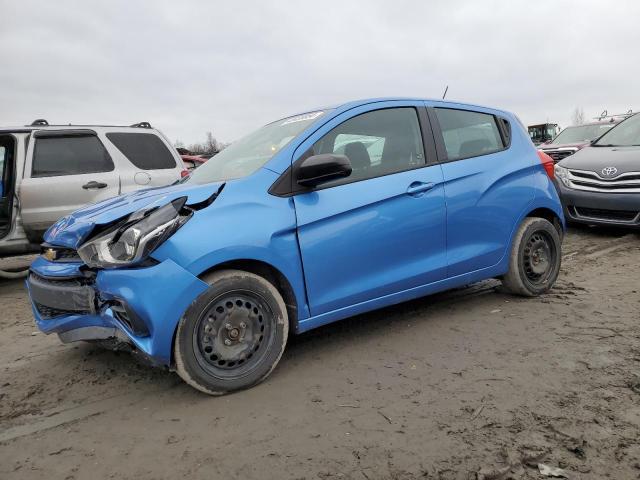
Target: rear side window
column 145, row 151
column 57, row 156
column 468, row 134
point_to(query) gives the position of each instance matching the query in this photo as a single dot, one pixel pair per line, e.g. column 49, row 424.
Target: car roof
column 366, row 101
column 69, row 126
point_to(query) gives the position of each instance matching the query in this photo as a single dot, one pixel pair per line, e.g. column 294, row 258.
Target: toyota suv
column 48, row 171
column 600, row 184
column 310, row 219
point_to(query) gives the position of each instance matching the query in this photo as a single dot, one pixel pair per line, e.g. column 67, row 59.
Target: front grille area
column 55, row 297
column 560, row 153
column 59, row 254
column 49, row 312
column 607, row 215
column 592, row 182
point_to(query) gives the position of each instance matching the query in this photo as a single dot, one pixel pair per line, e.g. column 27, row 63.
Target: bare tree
column 210, row 146
column 578, row 116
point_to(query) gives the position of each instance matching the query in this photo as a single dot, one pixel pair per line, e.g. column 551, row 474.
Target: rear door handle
column 94, row 184
column 417, row 188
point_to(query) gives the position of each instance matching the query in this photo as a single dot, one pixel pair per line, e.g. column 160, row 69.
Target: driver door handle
column 94, row 184
column 418, row 188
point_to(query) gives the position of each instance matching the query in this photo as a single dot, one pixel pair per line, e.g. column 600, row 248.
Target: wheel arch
column 269, row 273
column 549, row 215
column 264, row 270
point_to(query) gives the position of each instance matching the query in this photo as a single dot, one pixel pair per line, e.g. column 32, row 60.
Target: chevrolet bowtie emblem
column 50, row 254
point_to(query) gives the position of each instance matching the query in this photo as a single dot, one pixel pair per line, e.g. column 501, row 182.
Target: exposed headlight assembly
column 563, row 174
column 131, row 241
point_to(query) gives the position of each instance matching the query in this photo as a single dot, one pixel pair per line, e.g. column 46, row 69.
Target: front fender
column 243, row 223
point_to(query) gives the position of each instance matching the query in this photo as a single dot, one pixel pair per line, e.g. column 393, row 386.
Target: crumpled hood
column 71, row 231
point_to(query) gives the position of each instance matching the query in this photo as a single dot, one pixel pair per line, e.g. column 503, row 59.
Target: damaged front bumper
column 138, row 306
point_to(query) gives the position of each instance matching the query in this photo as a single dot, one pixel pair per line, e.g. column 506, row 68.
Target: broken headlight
column 130, row 242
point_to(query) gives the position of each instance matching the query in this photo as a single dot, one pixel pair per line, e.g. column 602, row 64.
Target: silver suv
column 49, row 171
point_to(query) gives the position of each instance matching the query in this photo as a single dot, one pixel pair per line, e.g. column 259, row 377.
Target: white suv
column 49, row 171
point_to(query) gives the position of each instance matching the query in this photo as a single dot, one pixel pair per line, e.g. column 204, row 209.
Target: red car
column 574, row 138
column 192, row 162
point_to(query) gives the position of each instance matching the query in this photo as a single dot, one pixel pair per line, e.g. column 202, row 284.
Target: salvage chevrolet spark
column 308, row 220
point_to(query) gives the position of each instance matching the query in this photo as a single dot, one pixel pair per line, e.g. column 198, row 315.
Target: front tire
column 233, row 335
column 535, row 258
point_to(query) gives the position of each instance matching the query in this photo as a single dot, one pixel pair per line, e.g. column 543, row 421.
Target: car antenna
column 445, row 92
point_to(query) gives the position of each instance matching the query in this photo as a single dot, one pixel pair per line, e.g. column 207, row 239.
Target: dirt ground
column 463, row 385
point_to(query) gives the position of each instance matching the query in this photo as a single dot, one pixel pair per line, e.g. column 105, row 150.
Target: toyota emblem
column 609, row 171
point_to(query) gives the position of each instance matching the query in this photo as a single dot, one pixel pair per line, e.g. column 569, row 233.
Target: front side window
column 248, row 154
column 377, row 143
column 468, row 134
column 625, row 134
column 144, row 150
column 74, row 155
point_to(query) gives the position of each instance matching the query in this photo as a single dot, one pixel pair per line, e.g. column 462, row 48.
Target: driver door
column 381, row 230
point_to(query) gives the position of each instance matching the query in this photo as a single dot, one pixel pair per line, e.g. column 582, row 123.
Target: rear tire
column 233, row 335
column 535, row 259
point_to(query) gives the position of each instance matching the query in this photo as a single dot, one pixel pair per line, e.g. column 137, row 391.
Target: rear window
column 468, row 134
column 57, row 156
column 145, row 151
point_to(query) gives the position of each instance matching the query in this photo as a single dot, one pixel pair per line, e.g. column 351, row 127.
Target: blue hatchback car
column 308, row 220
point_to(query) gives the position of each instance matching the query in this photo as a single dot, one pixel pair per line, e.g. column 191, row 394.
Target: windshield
column 626, row 134
column 581, row 133
column 248, row 154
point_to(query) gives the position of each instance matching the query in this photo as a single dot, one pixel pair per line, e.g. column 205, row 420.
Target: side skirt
column 403, row 296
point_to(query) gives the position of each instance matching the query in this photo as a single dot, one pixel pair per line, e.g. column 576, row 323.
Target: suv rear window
column 145, row 151
column 468, row 134
column 57, row 156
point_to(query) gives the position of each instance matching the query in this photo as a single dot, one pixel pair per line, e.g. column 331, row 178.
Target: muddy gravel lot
column 470, row 384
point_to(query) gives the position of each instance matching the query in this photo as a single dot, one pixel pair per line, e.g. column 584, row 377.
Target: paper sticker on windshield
column 302, row 118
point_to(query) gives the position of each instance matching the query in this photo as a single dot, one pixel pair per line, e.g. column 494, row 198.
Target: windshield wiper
column 604, row 145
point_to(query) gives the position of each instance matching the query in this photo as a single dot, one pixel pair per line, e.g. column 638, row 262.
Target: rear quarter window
column 144, row 150
column 57, row 156
column 468, row 134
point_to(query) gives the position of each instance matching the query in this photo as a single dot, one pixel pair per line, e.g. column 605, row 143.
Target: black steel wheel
column 538, row 258
column 535, row 258
column 233, row 335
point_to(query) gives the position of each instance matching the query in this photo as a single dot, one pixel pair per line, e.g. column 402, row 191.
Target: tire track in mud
column 596, row 247
column 62, row 416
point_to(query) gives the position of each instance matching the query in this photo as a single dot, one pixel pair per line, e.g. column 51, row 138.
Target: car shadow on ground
column 304, row 347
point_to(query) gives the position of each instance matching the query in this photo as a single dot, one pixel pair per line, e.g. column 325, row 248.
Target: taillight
column 184, row 173
column 547, row 163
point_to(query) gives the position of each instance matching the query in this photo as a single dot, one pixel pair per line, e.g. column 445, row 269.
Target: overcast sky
column 193, row 66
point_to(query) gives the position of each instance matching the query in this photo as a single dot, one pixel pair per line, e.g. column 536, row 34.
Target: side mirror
column 323, row 168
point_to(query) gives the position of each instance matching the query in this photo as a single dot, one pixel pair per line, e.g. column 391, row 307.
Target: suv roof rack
column 605, row 114
column 39, row 122
column 141, row 125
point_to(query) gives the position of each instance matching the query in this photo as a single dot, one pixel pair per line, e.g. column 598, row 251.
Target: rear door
column 65, row 170
column 149, row 160
column 487, row 184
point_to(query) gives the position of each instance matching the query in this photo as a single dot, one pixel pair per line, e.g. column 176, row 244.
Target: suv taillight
column 547, row 163
column 184, row 173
